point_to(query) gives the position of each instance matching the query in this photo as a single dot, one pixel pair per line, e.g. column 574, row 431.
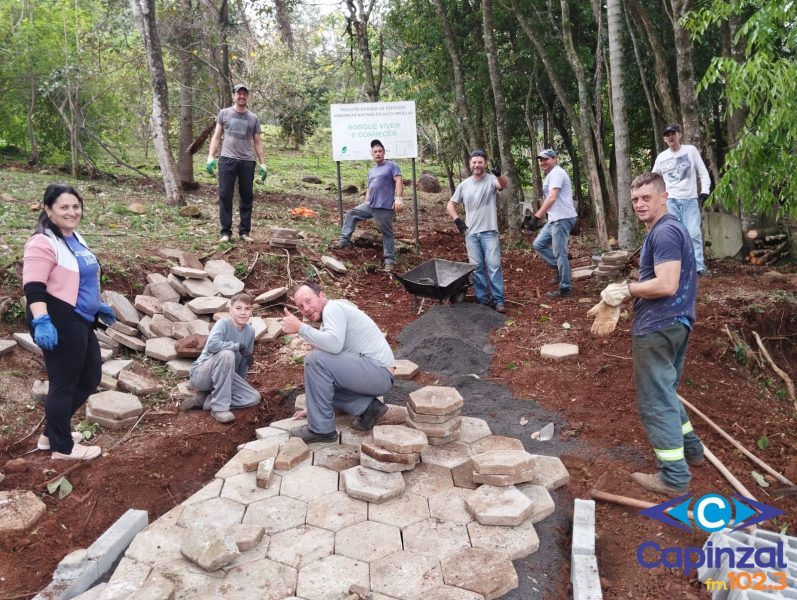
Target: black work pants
column 74, row 368
column 231, row 169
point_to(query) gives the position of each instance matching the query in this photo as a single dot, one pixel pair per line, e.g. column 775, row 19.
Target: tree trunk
column 357, row 28
column 514, row 193
column 33, row 158
column 459, row 80
column 658, row 54
column 144, row 10
column 185, row 160
column 283, row 18
column 626, row 228
column 655, row 122
column 534, row 144
column 686, row 75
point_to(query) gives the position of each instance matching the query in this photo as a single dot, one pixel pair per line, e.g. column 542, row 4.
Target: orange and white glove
column 614, row 293
column 606, row 318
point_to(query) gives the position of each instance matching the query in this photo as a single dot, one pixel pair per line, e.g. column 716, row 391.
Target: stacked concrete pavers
column 280, row 237
column 612, row 264
column 503, row 468
column 435, row 410
column 393, row 448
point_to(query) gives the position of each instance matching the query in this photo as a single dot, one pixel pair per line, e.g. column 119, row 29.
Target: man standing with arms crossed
column 681, row 167
column 478, row 194
column 384, row 195
column 664, row 315
column 551, row 242
column 241, row 129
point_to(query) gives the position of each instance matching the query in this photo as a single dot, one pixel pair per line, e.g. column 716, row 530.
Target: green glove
column 211, row 166
column 262, row 173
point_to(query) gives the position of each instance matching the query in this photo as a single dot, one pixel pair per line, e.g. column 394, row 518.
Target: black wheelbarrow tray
column 438, row 278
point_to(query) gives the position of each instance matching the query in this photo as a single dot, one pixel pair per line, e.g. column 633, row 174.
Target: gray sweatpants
column 344, row 381
column 227, row 389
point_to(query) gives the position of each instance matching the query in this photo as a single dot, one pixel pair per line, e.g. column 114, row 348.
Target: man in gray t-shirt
column 478, row 194
column 241, row 130
column 351, row 365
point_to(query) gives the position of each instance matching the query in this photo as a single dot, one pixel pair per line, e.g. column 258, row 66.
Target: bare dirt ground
column 171, row 454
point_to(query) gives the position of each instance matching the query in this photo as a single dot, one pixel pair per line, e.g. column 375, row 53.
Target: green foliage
column 62, row 485
column 740, row 351
column 762, row 442
column 758, row 173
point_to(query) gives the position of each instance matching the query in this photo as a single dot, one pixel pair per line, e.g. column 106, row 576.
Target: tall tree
column 626, row 226
column 144, row 10
column 282, row 15
column 357, row 22
column 514, row 193
column 185, row 69
column 686, row 73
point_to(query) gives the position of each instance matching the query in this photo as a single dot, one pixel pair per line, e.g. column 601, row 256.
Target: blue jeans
column 687, row 211
column 383, row 218
column 658, row 364
column 484, row 251
column 551, row 245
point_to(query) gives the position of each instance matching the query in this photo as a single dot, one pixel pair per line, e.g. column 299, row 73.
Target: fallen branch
column 144, row 414
column 781, row 373
column 74, row 467
column 737, row 485
column 288, row 267
column 251, row 267
column 32, row 431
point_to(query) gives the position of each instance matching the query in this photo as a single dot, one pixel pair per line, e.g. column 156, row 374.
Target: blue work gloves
column 262, row 173
column 210, row 167
column 106, row 315
column 44, row 332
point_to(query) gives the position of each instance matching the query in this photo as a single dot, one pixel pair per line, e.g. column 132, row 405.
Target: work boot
column 309, row 436
column 560, row 293
column 223, row 416
column 370, row 417
column 342, row 245
column 500, row 308
column 654, row 483
column 695, row 461
column 245, row 237
column 389, row 267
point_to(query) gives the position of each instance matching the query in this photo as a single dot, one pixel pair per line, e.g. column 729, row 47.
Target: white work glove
column 398, row 205
column 606, row 318
column 614, row 293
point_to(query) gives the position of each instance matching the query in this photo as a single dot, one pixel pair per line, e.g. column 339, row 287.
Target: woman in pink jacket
column 61, row 277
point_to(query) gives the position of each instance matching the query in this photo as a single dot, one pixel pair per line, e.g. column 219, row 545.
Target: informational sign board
column 355, row 125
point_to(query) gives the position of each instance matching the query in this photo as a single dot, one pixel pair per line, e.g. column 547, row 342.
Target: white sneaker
column 79, row 452
column 247, row 238
column 44, row 441
column 224, row 238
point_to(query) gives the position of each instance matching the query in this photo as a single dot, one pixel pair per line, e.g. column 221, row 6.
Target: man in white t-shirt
column 551, row 242
column 681, row 166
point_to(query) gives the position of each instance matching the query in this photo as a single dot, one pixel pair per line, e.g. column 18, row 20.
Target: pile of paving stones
column 280, row 237
column 612, row 264
column 435, row 410
column 284, row 519
column 393, row 448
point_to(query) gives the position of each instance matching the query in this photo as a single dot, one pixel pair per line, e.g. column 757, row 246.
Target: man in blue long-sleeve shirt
column 221, row 371
column 351, row 366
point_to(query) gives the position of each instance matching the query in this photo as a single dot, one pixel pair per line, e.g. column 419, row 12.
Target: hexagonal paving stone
column 276, row 514
column 486, row 572
column 405, row 575
column 549, row 472
column 387, row 466
column 496, row 442
column 158, row 544
column 436, row 538
column 541, row 502
column 114, row 405
column 503, row 480
column 368, row 541
column 300, row 546
column 499, row 506
column 330, row 578
column 435, row 400
column 216, row 512
column 336, row 511
column 19, row 510
column 258, row 580
column 372, row 486
column 399, row 438
column 445, row 429
column 336, row 458
column 558, row 351
column 243, row 488
column 369, row 449
column 428, row 480
column 517, row 542
column 421, row 418
column 473, row 429
column 450, row 506
column 463, row 475
column 211, row 490
column 447, row 592
column 291, row 454
column 353, row 437
column 448, row 455
column 401, row 512
column 502, row 462
column 308, row 483
column 406, row 369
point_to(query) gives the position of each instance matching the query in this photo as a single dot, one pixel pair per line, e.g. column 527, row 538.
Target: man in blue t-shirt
column 384, row 195
column 664, row 314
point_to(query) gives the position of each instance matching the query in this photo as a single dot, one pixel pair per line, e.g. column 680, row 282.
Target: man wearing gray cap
column 681, row 167
column 241, row 129
column 551, row 242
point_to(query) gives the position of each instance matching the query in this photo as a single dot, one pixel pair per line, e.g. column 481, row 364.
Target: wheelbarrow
column 444, row 280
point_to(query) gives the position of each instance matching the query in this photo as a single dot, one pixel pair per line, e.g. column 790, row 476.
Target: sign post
column 355, row 125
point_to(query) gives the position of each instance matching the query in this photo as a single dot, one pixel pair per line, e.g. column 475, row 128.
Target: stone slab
column 197, row 288
column 428, row 480
column 219, row 267
column 503, row 480
column 405, row 574
column 261, row 579
column 502, row 462
column 370, row 449
column 331, row 577
column 541, row 501
column 207, row 305
column 276, row 514
column 188, row 260
column 176, row 312
column 505, row 506
column 137, row 384
column 399, row 438
column 145, row 328
column 486, row 572
column 307, row 483
column 724, row 232
column 161, row 326
column 337, row 458
column 581, row 274
column 518, row 542
column 496, row 442
column 26, row 341
column 436, row 419
column 163, row 291
column 436, row 538
column 386, row 467
column 212, row 513
column 448, row 455
column 107, row 382
column 243, row 488
column 155, row 278
column 583, row 527
column 291, row 453
column 271, row 295
column 161, row 348
column 109, row 423
column 128, row 341
column 189, row 273
column 115, row 405
column 473, row 429
column 585, row 577
column 228, row 285
column 19, row 511
column 40, row 390
column 122, row 328
column 122, row 308
column 209, row 549
column 438, row 430
column 265, row 468
column 271, row 432
column 149, row 305
column 273, row 330
column 333, row 264
column 104, row 338
column 368, row 541
column 406, row 369
column 336, row 511
column 177, row 284
column 370, row 485
column 559, row 351
column 301, row 546
column 549, row 472
column 435, row 400
column 463, row 475
column 450, row 506
column 179, row 367
column 7, row 346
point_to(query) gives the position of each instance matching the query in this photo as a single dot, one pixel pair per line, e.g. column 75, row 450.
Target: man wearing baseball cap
column 681, row 166
column 241, row 130
column 551, row 242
